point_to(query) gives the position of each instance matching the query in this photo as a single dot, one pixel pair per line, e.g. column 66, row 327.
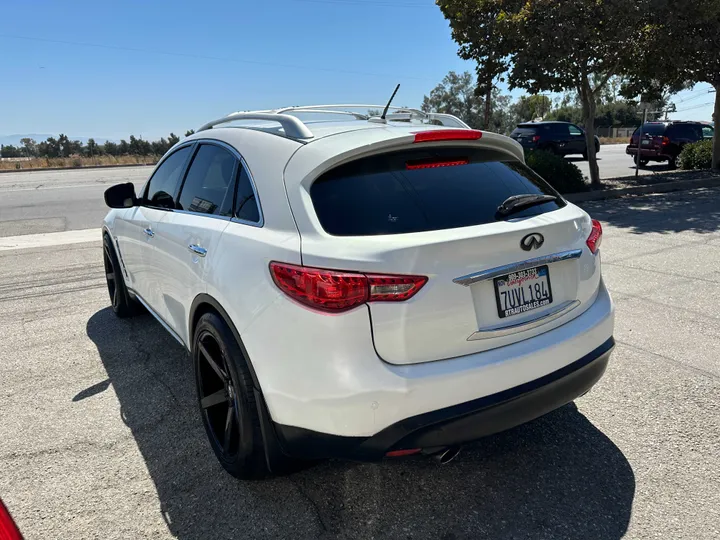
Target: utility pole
column 637, row 160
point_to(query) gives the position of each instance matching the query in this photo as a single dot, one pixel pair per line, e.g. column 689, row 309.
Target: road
column 100, row 436
column 50, row 201
column 614, row 162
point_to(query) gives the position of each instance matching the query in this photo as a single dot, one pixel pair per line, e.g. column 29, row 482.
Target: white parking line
column 29, row 241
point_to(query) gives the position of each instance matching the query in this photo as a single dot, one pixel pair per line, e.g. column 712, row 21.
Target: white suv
column 362, row 287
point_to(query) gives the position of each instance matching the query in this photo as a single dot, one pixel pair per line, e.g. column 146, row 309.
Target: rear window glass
column 652, row 129
column 524, row 131
column 405, row 192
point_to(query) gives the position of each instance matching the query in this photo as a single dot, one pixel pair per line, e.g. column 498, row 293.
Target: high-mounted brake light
column 335, row 291
column 412, row 166
column 595, row 238
column 448, row 135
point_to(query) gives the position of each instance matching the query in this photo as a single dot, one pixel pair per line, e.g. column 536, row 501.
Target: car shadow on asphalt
column 557, row 477
column 693, row 211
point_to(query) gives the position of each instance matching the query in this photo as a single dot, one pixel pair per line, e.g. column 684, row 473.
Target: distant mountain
column 39, row 137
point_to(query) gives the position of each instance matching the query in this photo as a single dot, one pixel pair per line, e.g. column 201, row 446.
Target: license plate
column 646, row 143
column 520, row 292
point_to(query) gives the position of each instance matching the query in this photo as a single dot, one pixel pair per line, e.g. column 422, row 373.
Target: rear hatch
column 433, row 211
column 652, row 137
column 526, row 135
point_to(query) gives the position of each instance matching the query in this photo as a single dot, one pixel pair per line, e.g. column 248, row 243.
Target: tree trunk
column 589, row 107
column 488, row 108
column 716, row 138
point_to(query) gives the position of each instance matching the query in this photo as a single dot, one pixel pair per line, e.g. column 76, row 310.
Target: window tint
column 708, row 132
column 164, row 183
column 560, row 130
column 206, row 186
column 655, row 130
column 687, row 131
column 523, row 131
column 246, row 206
column 411, row 191
column 574, row 130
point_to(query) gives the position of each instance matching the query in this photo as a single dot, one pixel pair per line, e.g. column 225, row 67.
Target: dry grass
column 614, row 140
column 77, row 161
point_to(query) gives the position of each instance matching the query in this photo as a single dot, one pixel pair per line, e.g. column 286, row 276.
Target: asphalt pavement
column 100, row 436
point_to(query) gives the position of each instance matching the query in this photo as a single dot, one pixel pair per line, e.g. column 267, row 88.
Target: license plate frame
column 537, row 274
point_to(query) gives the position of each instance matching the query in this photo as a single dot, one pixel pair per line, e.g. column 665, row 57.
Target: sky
column 108, row 70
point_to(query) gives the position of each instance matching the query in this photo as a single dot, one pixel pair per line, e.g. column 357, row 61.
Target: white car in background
column 361, row 287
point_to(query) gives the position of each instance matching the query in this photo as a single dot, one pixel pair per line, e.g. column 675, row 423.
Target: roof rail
column 445, row 119
column 293, row 126
column 296, row 128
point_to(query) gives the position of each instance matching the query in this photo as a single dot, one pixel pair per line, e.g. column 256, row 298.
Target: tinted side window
column 574, row 130
column 206, row 186
column 560, row 130
column 422, row 190
column 246, row 206
column 164, row 183
column 708, row 132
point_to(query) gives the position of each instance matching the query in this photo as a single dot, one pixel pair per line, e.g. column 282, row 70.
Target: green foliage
column 529, row 108
column 696, row 155
column 557, row 171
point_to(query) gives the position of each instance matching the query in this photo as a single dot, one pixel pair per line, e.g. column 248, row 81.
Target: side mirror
column 121, row 196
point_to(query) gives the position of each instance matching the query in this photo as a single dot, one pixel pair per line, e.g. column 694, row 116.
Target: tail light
column 665, row 141
column 536, row 138
column 8, row 529
column 448, row 135
column 595, row 238
column 336, row 291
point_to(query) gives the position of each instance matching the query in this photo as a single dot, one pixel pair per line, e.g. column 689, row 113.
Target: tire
column 226, row 399
column 585, row 155
column 122, row 304
column 672, row 162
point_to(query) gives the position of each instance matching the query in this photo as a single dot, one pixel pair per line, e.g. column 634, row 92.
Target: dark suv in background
column 663, row 141
column 560, row 138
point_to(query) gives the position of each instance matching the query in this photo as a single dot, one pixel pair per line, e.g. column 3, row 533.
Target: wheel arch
column 204, row 303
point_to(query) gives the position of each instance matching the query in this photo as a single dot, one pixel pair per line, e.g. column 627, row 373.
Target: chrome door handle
column 149, row 232
column 197, row 250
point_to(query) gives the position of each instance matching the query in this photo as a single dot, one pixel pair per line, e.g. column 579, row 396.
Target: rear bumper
column 459, row 423
column 653, row 154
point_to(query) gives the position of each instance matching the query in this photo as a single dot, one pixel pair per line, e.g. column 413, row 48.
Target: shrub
column 557, row 171
column 697, row 155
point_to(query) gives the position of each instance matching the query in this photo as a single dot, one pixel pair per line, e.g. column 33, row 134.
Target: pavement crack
column 698, row 370
column 312, row 502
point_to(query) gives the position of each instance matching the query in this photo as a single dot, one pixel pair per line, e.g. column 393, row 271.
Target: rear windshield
column 423, row 190
column 521, row 130
column 652, row 129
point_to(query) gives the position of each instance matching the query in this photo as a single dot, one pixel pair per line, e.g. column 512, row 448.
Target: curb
column 664, row 187
column 43, row 169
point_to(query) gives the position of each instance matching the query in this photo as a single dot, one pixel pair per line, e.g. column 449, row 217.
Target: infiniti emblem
column 532, row 241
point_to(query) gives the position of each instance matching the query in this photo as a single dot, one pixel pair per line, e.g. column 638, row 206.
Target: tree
column 173, row 139
column 681, row 47
column 477, row 28
column 529, row 108
column 189, row 132
column 557, row 46
column 455, row 95
column 30, row 146
column 92, row 148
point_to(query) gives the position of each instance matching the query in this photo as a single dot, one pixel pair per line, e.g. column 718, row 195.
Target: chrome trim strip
column 491, row 273
column 500, row 331
column 165, row 325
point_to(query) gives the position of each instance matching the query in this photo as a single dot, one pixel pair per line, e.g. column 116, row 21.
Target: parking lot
column 100, row 436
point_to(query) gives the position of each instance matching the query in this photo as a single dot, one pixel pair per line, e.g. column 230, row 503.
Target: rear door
column 186, row 239
column 136, row 233
column 576, row 141
column 492, row 280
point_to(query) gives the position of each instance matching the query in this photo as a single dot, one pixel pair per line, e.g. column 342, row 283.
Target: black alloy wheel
column 122, row 304
column 226, row 397
column 218, row 397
